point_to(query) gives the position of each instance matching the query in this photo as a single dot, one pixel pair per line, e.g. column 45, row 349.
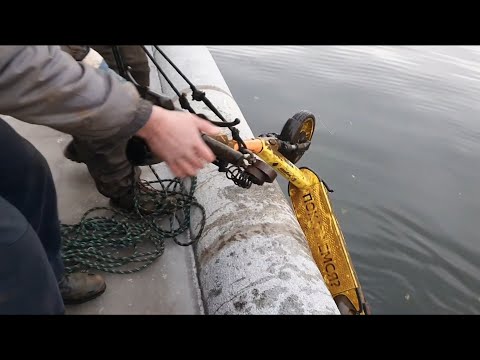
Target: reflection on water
column 398, row 138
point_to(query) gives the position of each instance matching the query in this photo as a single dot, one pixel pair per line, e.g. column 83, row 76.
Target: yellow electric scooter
column 313, row 208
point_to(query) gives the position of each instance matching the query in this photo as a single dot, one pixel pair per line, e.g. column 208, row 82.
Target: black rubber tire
column 139, row 154
column 299, row 128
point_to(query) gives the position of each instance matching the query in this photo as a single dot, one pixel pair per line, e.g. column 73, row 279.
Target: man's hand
column 175, row 137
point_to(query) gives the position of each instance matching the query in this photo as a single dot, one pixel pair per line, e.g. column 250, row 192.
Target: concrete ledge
column 253, row 257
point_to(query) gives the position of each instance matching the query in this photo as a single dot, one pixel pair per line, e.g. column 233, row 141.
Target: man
column 44, row 85
column 114, row 176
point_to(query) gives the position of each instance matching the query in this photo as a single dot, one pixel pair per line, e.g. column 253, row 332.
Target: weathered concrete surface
column 169, row 286
column 253, row 257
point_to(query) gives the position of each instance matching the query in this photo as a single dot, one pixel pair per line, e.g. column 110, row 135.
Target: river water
column 398, row 139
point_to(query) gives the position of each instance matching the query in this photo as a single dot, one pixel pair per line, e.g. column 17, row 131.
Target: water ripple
column 403, row 120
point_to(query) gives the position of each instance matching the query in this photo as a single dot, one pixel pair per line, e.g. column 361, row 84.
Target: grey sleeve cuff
column 144, row 110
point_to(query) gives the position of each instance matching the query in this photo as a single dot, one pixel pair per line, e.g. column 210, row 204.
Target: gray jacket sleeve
column 44, row 85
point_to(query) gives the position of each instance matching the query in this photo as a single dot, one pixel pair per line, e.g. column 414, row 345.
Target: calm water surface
column 398, row 139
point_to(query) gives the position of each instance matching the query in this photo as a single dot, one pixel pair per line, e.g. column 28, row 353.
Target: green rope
column 128, row 242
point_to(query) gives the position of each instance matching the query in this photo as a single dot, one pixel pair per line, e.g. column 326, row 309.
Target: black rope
column 128, row 242
column 197, row 95
column 122, row 69
column 161, row 71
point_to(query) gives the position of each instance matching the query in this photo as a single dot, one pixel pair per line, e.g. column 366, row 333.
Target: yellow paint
column 280, row 164
column 317, row 219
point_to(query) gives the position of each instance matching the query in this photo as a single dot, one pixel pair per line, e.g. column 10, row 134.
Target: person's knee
column 27, row 282
column 13, row 224
column 27, row 161
column 36, row 162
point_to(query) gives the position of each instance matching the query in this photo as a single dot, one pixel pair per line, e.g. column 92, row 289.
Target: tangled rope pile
column 113, row 243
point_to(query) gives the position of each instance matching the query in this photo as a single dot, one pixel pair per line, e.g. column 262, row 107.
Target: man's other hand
column 175, row 137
